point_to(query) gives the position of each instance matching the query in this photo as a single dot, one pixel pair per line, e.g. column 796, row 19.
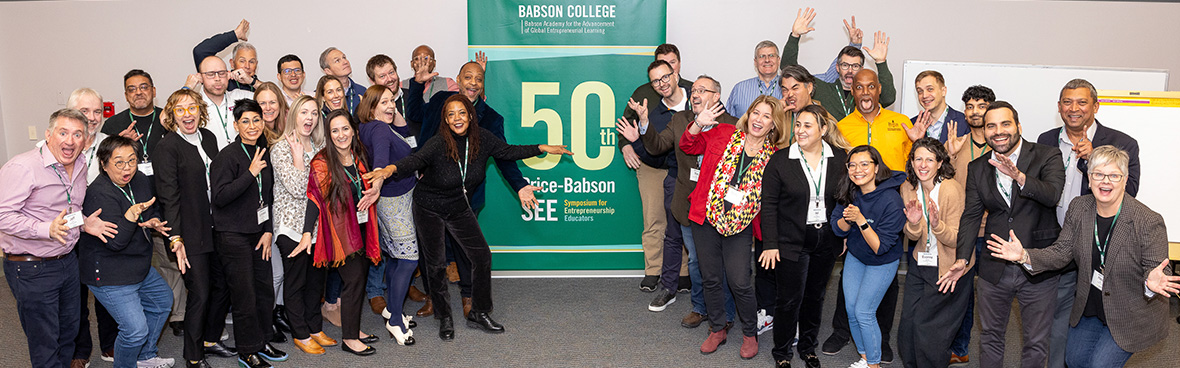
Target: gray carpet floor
column 560, row 322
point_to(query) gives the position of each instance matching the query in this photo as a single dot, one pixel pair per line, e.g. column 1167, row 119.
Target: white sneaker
column 860, row 364
column 156, row 362
column 765, row 322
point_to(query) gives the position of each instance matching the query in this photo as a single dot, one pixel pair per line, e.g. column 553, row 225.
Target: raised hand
column 932, row 211
column 640, row 109
column 296, row 148
column 130, row 132
column 98, row 228
column 1160, row 283
column 852, row 214
column 1083, row 148
column 708, row 117
column 242, row 30
column 264, row 244
column 482, row 60
column 241, row 76
column 954, row 142
column 257, row 164
column 768, row 258
column 855, row 35
column 880, row 47
column 946, row 283
column 422, row 73
column 554, row 149
column 192, row 81
column 629, row 130
column 1004, row 249
column 802, row 23
column 913, row 211
column 1006, row 166
column 918, row 129
column 137, row 209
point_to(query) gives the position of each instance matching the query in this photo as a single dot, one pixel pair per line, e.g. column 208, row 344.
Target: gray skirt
column 395, row 222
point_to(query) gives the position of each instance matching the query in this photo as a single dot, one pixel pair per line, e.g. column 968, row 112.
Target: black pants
column 885, row 313
column 729, row 258
column 108, row 329
column 354, row 274
column 251, row 291
column 802, row 284
column 462, row 265
column 206, row 305
column 303, row 288
column 765, row 285
column 46, row 294
column 673, row 242
column 930, row 319
column 432, row 228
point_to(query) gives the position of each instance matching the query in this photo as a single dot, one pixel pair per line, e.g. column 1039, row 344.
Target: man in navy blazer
column 936, row 115
column 1077, row 104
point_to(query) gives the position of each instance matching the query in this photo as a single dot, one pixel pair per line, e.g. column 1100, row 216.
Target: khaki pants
column 655, row 221
column 171, row 274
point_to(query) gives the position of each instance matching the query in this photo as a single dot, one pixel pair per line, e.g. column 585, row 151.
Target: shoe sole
column 660, row 308
column 647, row 289
column 273, row 359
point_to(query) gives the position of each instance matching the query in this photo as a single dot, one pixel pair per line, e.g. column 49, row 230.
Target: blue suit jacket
column 951, row 115
column 1103, row 135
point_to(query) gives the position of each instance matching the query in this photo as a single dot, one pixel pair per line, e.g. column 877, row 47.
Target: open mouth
column 336, row 102
column 865, row 103
column 1001, row 140
column 68, row 151
column 126, row 178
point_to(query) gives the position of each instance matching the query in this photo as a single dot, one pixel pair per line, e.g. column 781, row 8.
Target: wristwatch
column 865, row 226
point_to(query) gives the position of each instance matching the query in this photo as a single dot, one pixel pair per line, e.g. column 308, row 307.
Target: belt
column 31, row 258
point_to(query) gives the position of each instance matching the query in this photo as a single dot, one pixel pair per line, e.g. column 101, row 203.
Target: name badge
column 263, row 214
column 74, row 219
column 1096, row 279
column 929, row 258
column 362, row 216
column 816, row 214
column 735, row 196
column 146, row 168
column 694, row 174
column 412, row 141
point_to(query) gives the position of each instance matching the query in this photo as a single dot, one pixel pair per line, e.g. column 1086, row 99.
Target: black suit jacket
column 1032, row 216
column 181, row 189
column 785, row 196
column 1103, row 136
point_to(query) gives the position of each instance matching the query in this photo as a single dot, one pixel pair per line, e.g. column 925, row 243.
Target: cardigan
column 290, row 193
column 236, row 194
column 182, row 188
column 124, row 259
column 946, row 233
column 442, row 186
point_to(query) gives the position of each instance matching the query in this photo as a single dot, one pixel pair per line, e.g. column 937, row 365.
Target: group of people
column 283, row 207
column 797, row 170
column 291, row 208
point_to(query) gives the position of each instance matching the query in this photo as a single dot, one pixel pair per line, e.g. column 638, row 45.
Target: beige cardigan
column 950, row 207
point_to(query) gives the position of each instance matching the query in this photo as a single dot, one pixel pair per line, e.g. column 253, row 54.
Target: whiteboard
column 1153, row 119
column 1032, row 89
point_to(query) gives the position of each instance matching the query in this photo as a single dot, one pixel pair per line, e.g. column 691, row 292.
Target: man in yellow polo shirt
column 889, row 132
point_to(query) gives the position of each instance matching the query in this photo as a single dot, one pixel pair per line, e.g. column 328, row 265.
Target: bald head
column 214, row 75
column 423, row 56
column 866, row 92
column 470, row 80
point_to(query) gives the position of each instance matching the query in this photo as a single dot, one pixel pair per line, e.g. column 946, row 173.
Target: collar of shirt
column 936, row 129
column 47, row 159
column 679, row 104
column 793, row 151
column 1063, row 137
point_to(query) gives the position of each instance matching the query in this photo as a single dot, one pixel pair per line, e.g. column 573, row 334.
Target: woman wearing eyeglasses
column 242, row 187
column 1121, row 249
column 181, row 163
column 869, row 215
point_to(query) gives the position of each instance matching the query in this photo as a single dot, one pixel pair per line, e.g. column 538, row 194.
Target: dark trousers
column 673, row 242
column 432, row 228
column 729, row 258
column 354, row 274
column 930, row 319
column 46, row 296
column 303, row 286
column 802, row 284
column 252, row 290
column 885, row 313
column 765, row 285
column 1037, row 304
column 207, row 304
column 108, row 329
column 462, row 265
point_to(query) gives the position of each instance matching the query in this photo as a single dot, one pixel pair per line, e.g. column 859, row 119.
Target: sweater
column 384, row 147
column 946, row 233
column 235, row 192
column 124, row 259
column 884, row 211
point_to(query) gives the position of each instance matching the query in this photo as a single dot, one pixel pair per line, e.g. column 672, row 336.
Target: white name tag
column 816, row 215
column 362, row 216
column 412, row 141
column 146, row 168
column 930, row 258
column 694, row 174
column 74, row 219
column 263, row 214
column 735, row 196
column 1096, row 280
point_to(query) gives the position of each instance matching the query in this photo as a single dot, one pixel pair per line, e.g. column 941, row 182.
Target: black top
column 1094, row 300
column 235, row 192
column 181, row 189
column 441, row 185
column 148, row 126
column 354, row 178
column 125, row 259
column 785, row 193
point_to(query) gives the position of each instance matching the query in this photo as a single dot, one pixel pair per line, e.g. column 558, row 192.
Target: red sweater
column 712, row 145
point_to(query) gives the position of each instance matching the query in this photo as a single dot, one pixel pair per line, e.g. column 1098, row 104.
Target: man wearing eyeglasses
column 245, row 57
column 213, row 78
column 1081, row 133
column 423, row 57
column 291, row 76
column 837, row 98
column 766, row 63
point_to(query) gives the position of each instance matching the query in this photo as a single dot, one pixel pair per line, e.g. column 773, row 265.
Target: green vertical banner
column 560, row 72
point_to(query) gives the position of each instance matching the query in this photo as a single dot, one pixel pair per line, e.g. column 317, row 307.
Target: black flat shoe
column 277, row 335
column 811, row 361
column 446, row 329
column 177, row 328
column 270, row 353
column 252, row 361
column 369, row 350
column 371, row 339
column 200, row 364
column 219, row 349
column 484, row 322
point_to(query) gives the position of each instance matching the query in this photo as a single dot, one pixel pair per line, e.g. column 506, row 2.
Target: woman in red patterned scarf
column 724, row 208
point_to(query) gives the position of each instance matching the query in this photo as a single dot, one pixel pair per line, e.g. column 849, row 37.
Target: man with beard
column 213, row 77
column 291, row 76
column 837, row 98
column 936, row 117
column 382, row 70
column 1018, row 185
column 244, row 61
column 1077, row 104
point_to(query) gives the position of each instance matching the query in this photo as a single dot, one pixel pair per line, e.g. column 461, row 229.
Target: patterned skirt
column 395, row 221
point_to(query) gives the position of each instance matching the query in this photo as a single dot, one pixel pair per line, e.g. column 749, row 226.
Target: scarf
column 734, row 220
column 339, row 233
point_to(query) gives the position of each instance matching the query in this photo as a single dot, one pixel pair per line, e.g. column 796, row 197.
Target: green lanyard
column 130, row 195
column 793, row 115
column 257, row 178
column 1103, row 246
column 743, row 168
column 143, row 144
column 870, row 130
column 820, row 180
column 840, row 96
column 356, row 181
column 69, row 186
column 463, row 167
column 223, row 127
column 925, row 212
column 1006, row 192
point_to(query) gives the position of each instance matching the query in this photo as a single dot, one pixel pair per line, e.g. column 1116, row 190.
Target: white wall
column 49, row 48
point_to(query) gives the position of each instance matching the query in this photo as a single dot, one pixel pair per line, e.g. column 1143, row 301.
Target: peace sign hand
column 640, row 109
column 855, row 35
column 257, row 164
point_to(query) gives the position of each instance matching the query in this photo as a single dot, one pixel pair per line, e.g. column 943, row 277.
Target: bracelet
column 174, row 240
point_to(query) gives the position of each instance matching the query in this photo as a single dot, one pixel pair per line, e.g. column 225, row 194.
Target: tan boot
column 453, row 272
column 415, row 294
column 466, row 306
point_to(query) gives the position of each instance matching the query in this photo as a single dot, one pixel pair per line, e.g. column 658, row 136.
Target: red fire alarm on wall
column 108, row 109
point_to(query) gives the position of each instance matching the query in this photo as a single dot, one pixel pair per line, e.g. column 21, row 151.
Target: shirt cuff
column 1147, row 291
column 43, row 230
column 643, row 128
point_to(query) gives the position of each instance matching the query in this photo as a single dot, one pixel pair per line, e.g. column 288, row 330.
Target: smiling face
column 1077, row 109
column 334, row 95
column 1106, row 191
column 121, row 167
column 249, row 127
column 808, row 130
column 663, row 80
column 862, row 170
column 291, row 75
column 457, row 117
column 386, row 76
column 703, row 95
column 796, row 94
column 470, row 81
column 309, row 117
column 341, row 132
column 186, row 114
column 974, row 109
column 1001, row 130
column 925, row 164
column 139, row 92
column 338, row 65
column 866, row 92
column 214, row 76
column 385, row 107
column 931, row 94
column 270, row 107
column 66, row 139
column 90, row 106
column 766, row 61
column 760, row 120
column 246, row 59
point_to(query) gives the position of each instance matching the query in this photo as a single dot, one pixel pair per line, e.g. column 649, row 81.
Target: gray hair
column 324, row 57
column 1080, row 83
column 243, row 46
column 716, row 84
column 72, row 101
column 1108, row 154
column 68, row 113
column 765, row 44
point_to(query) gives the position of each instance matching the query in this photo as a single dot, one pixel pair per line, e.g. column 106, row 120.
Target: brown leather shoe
column 415, row 294
column 323, row 340
column 378, row 305
column 80, row 363
column 692, row 320
column 311, row 346
column 427, row 309
column 453, row 272
column 466, row 306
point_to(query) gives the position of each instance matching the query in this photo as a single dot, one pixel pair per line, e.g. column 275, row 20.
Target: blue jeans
column 375, row 283
column 1066, row 287
column 1091, row 345
column 141, row 311
column 864, row 287
column 694, row 273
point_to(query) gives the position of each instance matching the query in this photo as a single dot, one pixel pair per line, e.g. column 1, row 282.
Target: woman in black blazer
column 798, row 194
column 181, row 164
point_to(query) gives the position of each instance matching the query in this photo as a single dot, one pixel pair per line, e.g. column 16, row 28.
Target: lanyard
column 69, row 186
column 130, row 195
column 144, row 140
column 224, row 128
column 356, row 181
column 840, row 96
column 925, row 213
column 817, row 182
column 1004, row 191
column 1069, row 158
column 1103, row 246
column 870, row 130
column 742, row 170
column 257, row 178
column 770, row 88
column 464, row 165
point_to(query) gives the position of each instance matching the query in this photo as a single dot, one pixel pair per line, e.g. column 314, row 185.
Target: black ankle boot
column 280, row 319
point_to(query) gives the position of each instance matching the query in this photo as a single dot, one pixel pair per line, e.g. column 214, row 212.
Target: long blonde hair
column 291, row 124
column 778, row 115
